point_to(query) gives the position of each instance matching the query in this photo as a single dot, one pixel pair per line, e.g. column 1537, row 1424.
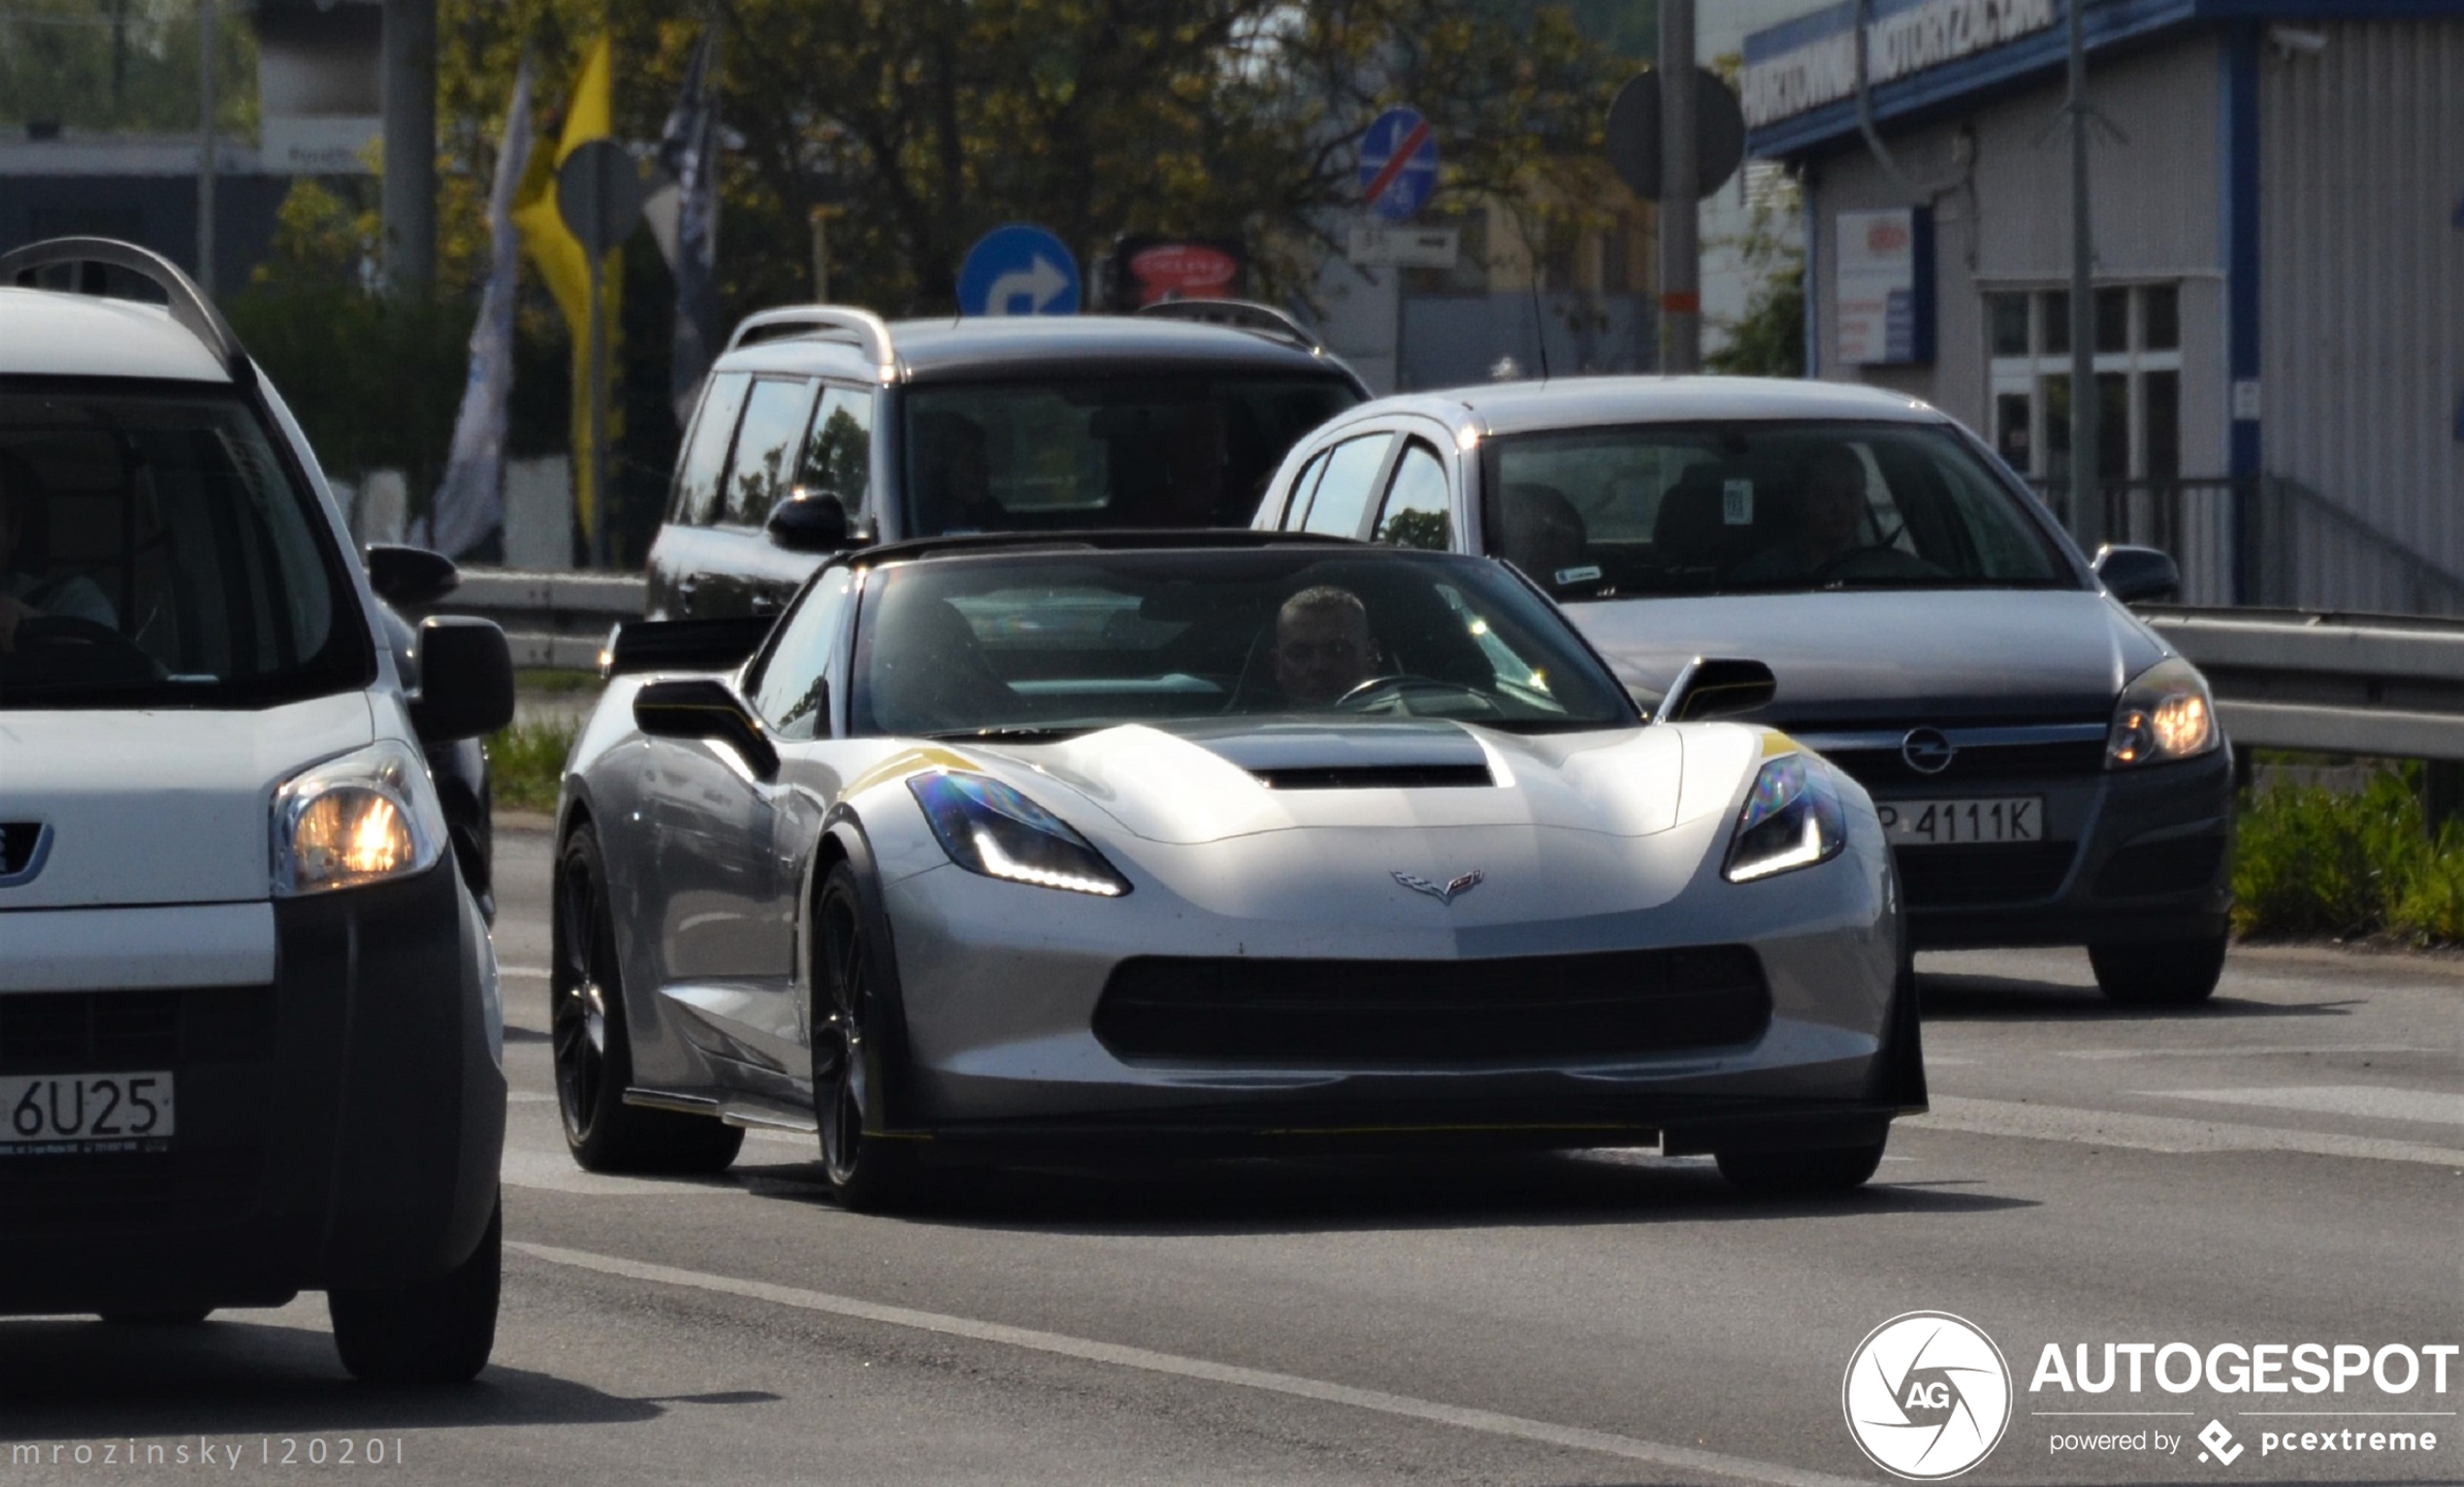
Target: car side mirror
column 805, row 523
column 2133, row 575
column 408, row 577
column 698, row 707
column 466, row 678
column 1713, row 687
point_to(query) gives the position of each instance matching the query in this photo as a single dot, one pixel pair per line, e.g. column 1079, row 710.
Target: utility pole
column 1680, row 224
column 209, row 32
column 2087, row 490
column 409, row 206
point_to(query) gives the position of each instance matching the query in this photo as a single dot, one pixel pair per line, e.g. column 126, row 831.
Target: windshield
column 155, row 553
column 1025, row 643
column 1674, row 508
column 1150, row 451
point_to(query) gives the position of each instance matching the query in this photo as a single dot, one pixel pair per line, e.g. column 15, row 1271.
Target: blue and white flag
column 470, row 502
column 684, row 220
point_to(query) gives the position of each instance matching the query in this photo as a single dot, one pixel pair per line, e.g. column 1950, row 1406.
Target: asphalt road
column 2284, row 1166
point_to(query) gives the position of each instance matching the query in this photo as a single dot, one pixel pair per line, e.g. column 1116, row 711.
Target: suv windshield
column 1148, row 451
column 154, row 552
column 1031, row 643
column 1674, row 508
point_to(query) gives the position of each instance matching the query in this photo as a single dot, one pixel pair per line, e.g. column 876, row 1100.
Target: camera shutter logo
column 1926, row 1396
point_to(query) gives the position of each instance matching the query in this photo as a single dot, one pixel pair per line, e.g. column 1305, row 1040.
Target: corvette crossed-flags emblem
column 1448, row 892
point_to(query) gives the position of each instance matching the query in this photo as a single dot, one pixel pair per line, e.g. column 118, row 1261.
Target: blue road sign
column 1018, row 270
column 1398, row 164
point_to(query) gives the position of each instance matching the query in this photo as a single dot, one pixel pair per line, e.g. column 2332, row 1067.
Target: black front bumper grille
column 1558, row 1008
column 143, row 1191
column 92, row 1032
column 1886, row 769
column 1956, row 877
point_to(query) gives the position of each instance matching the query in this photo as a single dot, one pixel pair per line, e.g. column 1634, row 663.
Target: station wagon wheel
column 869, row 1172
column 593, row 1049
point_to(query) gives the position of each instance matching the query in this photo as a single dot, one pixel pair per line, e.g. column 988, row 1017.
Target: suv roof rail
column 190, row 308
column 1241, row 315
column 1096, row 540
column 867, row 329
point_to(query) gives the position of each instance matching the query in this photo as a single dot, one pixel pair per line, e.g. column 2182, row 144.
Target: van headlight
column 1792, row 819
column 364, row 818
column 2165, row 714
column 987, row 827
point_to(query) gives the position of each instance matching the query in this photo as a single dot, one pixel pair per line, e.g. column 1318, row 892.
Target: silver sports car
column 1207, row 842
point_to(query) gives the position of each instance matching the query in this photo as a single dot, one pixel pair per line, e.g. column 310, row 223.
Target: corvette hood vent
column 1343, row 755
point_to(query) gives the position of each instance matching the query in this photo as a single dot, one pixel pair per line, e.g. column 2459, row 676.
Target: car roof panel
column 52, row 333
column 1588, row 402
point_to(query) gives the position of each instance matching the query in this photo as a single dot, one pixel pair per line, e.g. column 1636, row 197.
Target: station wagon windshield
column 1147, row 451
column 154, row 552
column 1051, row 643
column 1672, row 508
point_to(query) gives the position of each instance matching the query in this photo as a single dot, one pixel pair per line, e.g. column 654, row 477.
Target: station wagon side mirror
column 698, row 707
column 466, row 678
column 809, row 523
column 408, row 577
column 1716, row 686
column 2133, row 575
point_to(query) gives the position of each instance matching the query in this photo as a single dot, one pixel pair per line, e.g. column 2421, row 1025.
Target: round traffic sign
column 1398, row 164
column 1018, row 270
column 600, row 193
column 1634, row 133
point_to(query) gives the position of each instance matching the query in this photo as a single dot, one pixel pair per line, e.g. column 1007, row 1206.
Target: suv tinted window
column 155, row 551
column 838, row 454
column 1147, row 451
column 705, row 459
column 1342, row 493
column 767, row 443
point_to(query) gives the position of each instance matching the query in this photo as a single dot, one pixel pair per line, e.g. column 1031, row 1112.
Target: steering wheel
column 61, row 637
column 1403, row 684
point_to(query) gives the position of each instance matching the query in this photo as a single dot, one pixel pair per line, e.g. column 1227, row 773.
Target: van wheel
column 2164, row 973
column 869, row 1174
column 1801, row 1174
column 437, row 1332
column 592, row 1051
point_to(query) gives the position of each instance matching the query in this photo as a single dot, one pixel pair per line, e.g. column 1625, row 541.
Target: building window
column 2138, row 364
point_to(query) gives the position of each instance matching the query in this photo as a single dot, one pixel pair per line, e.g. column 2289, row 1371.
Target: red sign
column 1189, row 271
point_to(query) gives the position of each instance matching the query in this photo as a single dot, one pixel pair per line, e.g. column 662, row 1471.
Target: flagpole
column 598, row 418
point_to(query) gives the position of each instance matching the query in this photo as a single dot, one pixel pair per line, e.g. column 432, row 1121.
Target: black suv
column 823, row 428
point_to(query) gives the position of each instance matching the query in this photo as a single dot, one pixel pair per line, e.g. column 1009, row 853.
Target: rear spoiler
column 683, row 645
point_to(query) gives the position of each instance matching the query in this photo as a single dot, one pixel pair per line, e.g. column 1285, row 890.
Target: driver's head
column 1834, row 500
column 1323, row 646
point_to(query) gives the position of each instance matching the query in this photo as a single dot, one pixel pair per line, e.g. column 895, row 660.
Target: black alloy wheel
column 593, row 1050
column 871, row 1172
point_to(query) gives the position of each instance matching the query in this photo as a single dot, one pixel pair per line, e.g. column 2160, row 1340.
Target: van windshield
column 1760, row 507
column 154, row 552
column 1158, row 451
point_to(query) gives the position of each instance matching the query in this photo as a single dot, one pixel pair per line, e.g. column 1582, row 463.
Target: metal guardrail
column 550, row 620
column 2385, row 685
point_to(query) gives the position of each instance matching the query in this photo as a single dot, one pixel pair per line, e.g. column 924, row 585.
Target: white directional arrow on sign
column 1038, row 284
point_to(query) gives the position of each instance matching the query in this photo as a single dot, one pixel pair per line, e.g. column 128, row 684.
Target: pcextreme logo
column 1926, row 1396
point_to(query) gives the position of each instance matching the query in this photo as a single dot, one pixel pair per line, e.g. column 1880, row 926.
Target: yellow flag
column 566, row 268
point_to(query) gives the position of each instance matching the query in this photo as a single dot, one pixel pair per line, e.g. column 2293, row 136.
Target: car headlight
column 987, row 827
column 1792, row 819
column 2165, row 714
column 364, row 818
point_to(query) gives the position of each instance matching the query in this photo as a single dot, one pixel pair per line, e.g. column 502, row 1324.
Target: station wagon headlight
column 1792, row 819
column 987, row 827
column 364, row 818
column 2165, row 714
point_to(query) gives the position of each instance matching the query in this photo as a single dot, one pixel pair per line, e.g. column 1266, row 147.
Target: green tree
column 1768, row 339
column 120, row 65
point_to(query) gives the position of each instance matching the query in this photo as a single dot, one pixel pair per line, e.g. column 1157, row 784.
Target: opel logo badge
column 1927, row 752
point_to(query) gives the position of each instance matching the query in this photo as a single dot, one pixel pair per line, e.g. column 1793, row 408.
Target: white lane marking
column 526, row 1097
column 555, row 1171
column 2160, row 1133
column 534, row 972
column 2270, row 1051
column 2371, row 1102
column 1489, row 1422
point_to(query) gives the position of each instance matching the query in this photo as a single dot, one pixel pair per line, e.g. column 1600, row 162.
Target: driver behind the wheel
column 1323, row 646
column 26, row 596
column 1831, row 516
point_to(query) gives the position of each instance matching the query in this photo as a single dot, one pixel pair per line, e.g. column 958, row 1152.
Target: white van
column 250, row 1036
